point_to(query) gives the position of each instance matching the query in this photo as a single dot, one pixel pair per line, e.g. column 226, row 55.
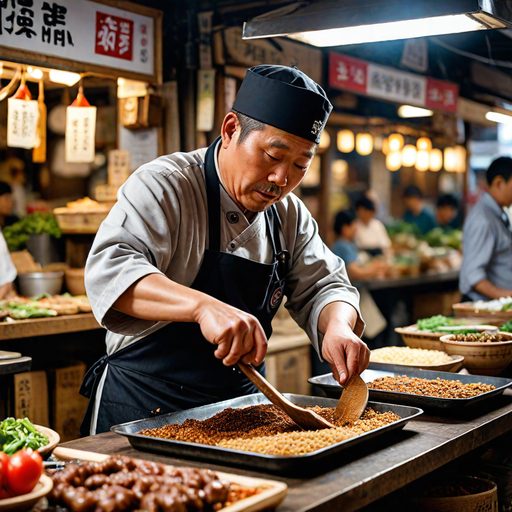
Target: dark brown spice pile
column 266, row 429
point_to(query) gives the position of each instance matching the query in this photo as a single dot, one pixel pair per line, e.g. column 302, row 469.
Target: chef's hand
column 345, row 352
column 237, row 334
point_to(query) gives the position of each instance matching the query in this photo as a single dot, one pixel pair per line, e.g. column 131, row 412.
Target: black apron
column 174, row 368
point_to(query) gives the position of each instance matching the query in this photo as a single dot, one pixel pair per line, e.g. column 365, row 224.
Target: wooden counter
column 44, row 326
column 369, row 473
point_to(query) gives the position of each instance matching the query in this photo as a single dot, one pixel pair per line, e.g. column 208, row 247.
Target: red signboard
column 363, row 77
column 114, row 36
column 347, row 73
column 441, row 95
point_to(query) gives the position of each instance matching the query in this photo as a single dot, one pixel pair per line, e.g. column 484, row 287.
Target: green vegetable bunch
column 507, row 327
column 17, row 434
column 439, row 237
column 17, row 234
column 27, row 310
column 401, row 227
column 434, row 322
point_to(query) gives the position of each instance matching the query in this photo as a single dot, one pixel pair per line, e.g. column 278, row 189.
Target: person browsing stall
column 7, row 271
column 486, row 271
column 192, row 262
column 371, row 235
column 416, row 212
column 447, row 212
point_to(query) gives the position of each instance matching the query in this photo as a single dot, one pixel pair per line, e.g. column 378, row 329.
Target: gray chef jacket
column 159, row 225
column 487, row 248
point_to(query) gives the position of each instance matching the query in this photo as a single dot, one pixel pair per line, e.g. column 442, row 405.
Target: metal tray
column 276, row 463
column 333, row 389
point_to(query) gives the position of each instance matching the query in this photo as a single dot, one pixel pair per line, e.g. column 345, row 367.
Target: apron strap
column 213, row 197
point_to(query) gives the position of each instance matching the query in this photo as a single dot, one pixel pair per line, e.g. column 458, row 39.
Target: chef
column 193, row 261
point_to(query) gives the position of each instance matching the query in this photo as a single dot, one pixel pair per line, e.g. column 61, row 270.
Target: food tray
column 332, row 388
column 456, row 363
column 276, row 463
column 466, row 309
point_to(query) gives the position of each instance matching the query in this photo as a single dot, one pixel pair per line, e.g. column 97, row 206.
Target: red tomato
column 24, row 471
column 4, row 464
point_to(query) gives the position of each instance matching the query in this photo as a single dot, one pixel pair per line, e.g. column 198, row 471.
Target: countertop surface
column 369, row 472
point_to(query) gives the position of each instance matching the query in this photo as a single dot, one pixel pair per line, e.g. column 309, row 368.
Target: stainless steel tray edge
column 333, row 389
column 270, row 463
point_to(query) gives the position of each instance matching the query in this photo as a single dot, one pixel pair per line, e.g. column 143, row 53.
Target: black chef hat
column 286, row 98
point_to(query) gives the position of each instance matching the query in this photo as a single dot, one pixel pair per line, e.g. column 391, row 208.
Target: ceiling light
column 64, row 77
column 410, row 111
column 498, row 118
column 334, row 23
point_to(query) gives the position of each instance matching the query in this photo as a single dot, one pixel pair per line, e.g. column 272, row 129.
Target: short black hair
column 447, row 200
column 247, row 125
column 502, row 166
column 412, row 191
column 343, row 218
column 366, row 203
column 5, row 188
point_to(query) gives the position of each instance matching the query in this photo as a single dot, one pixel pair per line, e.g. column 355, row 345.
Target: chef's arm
column 6, row 291
column 341, row 347
column 237, row 334
column 485, row 287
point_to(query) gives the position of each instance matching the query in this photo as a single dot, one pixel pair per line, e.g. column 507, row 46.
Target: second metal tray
column 275, row 463
column 333, row 389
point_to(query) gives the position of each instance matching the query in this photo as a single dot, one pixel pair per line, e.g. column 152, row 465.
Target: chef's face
column 263, row 168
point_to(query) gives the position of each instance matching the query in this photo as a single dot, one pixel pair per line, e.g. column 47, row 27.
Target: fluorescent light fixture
column 497, row 117
column 64, row 77
column 335, row 23
column 407, row 111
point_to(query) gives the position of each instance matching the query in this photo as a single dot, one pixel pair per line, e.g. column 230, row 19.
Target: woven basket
column 485, row 498
column 420, row 339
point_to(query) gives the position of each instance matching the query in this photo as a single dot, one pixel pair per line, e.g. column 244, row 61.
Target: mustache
column 269, row 188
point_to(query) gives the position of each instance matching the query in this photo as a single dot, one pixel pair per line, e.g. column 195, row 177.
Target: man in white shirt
column 7, row 270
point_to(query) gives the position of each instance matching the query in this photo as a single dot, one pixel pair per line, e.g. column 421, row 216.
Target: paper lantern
column 364, row 143
column 345, row 141
column 325, row 140
column 422, row 160
column 424, row 144
column 450, row 159
column 395, row 142
column 393, row 161
column 436, row 160
column 460, row 156
column 408, row 155
column 385, row 146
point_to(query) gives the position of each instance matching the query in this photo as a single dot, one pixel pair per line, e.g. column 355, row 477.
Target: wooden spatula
column 353, row 400
column 305, row 418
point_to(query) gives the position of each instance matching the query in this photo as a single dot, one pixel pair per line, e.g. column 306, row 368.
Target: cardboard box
column 67, row 406
column 31, row 397
column 289, row 370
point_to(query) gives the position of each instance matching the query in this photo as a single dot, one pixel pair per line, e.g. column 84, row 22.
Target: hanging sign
column 363, row 77
column 22, row 117
column 80, row 130
column 83, row 31
column 205, row 99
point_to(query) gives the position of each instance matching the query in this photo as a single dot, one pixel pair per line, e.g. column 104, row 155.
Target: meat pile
column 121, row 483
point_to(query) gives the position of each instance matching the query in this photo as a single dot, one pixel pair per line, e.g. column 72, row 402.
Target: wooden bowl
column 53, row 440
column 481, row 358
column 27, row 501
column 74, row 279
column 415, row 338
column 467, row 309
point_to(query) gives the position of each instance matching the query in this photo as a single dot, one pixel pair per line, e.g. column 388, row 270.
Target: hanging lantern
column 395, row 142
column 385, row 146
column 422, row 160
column 364, row 143
column 339, row 171
column 393, row 161
column 450, row 159
column 408, row 155
column 436, row 160
column 460, row 155
column 345, row 141
column 424, row 144
column 325, row 140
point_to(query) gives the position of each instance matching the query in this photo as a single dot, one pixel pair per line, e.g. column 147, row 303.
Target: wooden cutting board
column 273, row 494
